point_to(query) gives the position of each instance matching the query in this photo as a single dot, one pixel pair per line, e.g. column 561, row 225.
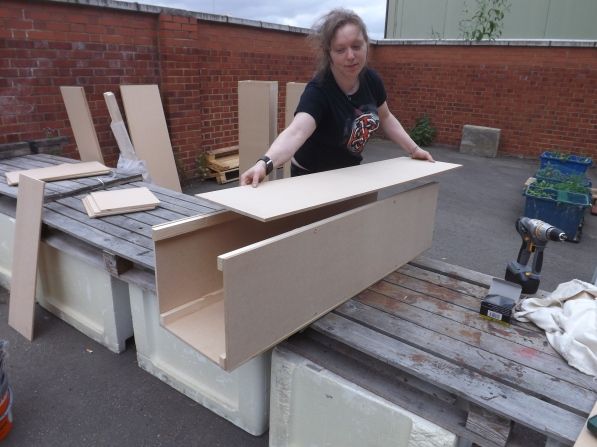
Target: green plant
column 486, row 22
column 201, row 166
column 423, row 132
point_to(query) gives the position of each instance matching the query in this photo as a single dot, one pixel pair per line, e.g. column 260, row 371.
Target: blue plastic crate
column 562, row 209
column 555, row 175
column 572, row 164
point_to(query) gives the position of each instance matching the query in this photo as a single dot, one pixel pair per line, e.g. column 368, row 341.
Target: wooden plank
column 81, row 123
column 489, row 338
column 475, row 357
column 97, row 238
column 288, row 196
column 294, row 90
column 488, row 425
column 585, row 438
column 257, row 120
column 498, row 398
column 21, row 309
column 149, row 132
column 438, row 301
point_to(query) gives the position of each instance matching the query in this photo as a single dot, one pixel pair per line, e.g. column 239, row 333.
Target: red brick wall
column 542, row 98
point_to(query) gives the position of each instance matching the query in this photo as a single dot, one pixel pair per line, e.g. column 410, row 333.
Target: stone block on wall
column 478, row 140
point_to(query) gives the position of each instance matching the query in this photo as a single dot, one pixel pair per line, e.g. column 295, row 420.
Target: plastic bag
column 129, row 166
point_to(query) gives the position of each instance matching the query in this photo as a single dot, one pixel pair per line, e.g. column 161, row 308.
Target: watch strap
column 269, row 164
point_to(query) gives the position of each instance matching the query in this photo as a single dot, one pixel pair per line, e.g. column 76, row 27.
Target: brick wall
column 543, row 98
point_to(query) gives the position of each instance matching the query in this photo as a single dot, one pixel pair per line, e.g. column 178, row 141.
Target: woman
column 339, row 110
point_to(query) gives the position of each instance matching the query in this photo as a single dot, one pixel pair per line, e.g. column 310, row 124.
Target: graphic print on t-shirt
column 362, row 128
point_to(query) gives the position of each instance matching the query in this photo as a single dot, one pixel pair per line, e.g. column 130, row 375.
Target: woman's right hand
column 254, row 175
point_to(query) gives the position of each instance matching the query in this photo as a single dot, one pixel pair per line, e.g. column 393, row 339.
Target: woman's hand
column 421, row 154
column 253, row 176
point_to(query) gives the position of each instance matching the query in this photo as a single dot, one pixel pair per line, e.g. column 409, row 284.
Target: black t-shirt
column 344, row 123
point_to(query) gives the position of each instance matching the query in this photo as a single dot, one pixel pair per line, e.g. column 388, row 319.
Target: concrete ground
column 70, row 391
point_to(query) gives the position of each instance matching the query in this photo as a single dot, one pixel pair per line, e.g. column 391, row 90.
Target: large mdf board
column 257, row 120
column 81, row 123
column 21, row 308
column 273, row 200
column 294, row 90
column 263, row 290
column 148, row 130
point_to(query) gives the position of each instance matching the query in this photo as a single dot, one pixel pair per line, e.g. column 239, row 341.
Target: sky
column 301, row 13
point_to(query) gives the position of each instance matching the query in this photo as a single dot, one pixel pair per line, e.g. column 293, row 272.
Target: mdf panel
column 149, row 133
column 273, row 200
column 294, row 90
column 257, row 120
column 21, row 309
column 81, row 123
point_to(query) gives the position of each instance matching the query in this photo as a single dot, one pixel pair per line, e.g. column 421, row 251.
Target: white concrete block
column 84, row 296
column 240, row 396
column 7, row 232
column 311, row 406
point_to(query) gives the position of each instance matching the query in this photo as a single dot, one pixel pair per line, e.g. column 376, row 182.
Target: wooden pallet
column 226, row 176
column 224, row 159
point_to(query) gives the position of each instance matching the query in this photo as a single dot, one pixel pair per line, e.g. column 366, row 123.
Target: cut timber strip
column 21, row 309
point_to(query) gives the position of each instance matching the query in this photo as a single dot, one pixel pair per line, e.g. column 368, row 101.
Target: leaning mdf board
column 149, row 132
column 81, row 123
column 262, row 292
column 257, row 120
column 21, row 309
column 294, row 90
column 291, row 195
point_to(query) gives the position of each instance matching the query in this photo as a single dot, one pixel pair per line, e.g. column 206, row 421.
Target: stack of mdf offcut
column 223, row 163
column 119, row 201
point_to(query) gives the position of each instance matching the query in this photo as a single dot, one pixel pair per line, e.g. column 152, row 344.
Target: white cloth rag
column 569, row 318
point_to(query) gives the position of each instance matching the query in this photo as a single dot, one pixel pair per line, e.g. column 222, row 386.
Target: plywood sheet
column 149, row 132
column 21, row 309
column 60, row 172
column 81, row 123
column 257, row 120
column 294, row 90
column 273, row 200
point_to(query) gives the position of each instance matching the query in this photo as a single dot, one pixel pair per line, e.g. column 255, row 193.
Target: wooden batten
column 257, row 120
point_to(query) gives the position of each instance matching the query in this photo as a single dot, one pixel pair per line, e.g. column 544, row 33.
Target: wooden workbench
column 416, row 339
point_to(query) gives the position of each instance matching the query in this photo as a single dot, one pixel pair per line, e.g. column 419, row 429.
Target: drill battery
column 500, row 300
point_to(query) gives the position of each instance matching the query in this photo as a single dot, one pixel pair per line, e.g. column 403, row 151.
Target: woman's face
column 348, row 51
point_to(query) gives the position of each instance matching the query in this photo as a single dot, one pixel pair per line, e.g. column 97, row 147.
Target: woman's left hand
column 422, row 154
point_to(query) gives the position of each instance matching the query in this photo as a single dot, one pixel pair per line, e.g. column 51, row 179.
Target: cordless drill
column 535, row 234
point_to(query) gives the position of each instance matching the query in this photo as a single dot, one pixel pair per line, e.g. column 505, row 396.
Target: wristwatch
column 269, row 164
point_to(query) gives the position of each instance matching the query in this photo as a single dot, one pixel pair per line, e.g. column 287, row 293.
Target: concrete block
column 84, row 296
column 240, row 396
column 478, row 140
column 310, row 405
